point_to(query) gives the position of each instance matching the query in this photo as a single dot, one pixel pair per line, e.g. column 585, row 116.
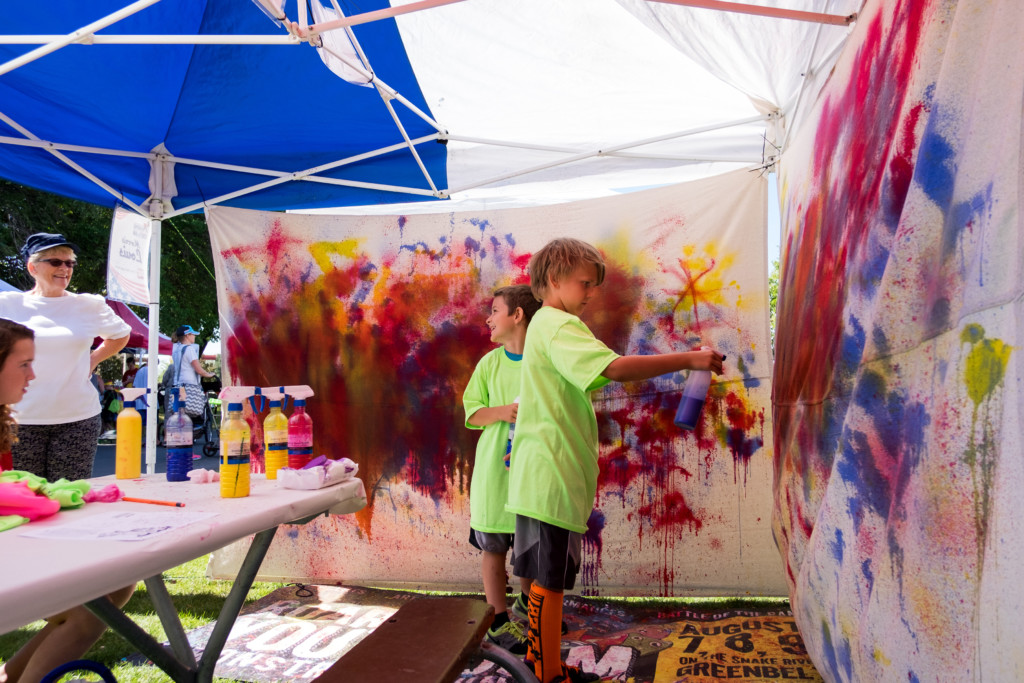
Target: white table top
column 41, row 577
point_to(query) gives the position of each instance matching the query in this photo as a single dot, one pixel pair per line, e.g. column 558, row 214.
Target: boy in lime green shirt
column 554, row 468
column 490, row 402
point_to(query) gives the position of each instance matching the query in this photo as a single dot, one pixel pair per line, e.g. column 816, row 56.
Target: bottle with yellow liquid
column 275, row 439
column 128, row 450
column 234, row 454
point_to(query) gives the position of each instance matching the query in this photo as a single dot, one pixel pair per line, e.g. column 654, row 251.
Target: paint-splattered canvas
column 384, row 317
column 898, row 380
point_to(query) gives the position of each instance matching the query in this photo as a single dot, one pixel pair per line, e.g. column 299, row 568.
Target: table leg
column 233, row 604
column 168, row 614
column 133, row 633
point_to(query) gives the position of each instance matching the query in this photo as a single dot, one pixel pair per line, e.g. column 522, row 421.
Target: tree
column 187, row 286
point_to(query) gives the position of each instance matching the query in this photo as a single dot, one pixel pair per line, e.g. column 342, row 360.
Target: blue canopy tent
column 173, row 105
column 237, row 108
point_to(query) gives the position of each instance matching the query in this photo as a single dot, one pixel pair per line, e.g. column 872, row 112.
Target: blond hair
column 559, row 259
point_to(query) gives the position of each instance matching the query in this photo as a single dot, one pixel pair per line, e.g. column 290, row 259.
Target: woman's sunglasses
column 58, row 262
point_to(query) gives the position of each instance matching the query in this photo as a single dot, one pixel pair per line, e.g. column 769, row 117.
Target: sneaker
column 521, row 610
column 509, row 636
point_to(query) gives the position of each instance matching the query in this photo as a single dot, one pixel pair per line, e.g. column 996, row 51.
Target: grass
column 197, row 599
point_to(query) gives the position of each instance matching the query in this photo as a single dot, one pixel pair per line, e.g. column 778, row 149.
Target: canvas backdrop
column 898, row 380
column 384, row 317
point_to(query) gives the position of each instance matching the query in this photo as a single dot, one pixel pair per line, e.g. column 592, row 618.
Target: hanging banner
column 128, row 258
column 384, row 316
column 899, row 375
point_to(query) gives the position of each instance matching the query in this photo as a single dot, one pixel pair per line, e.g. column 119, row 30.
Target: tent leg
column 154, row 333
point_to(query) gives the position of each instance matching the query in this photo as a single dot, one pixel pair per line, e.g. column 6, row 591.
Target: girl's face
column 17, row 371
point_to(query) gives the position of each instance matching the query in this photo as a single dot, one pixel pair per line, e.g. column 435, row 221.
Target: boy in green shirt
column 490, row 402
column 553, row 478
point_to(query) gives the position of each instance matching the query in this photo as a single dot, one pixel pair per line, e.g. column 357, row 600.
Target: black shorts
column 490, row 542
column 548, row 554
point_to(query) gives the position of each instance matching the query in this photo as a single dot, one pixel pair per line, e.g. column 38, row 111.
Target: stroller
column 207, row 426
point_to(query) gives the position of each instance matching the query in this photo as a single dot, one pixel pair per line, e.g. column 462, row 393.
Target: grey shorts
column 490, row 542
column 548, row 554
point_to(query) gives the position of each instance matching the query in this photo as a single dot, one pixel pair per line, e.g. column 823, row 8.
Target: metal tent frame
column 298, row 32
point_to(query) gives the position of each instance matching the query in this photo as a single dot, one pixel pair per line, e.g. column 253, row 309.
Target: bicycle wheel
column 211, row 435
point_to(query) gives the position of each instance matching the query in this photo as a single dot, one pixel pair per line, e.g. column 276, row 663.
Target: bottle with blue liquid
column 178, row 436
column 695, row 393
column 508, row 444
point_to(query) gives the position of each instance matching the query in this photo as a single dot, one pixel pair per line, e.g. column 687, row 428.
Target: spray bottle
column 511, row 433
column 275, row 432
column 178, row 436
column 128, row 451
column 300, row 427
column 234, row 444
column 695, row 392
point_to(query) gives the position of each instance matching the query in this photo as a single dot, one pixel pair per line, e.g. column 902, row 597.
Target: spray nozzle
column 282, row 393
column 257, row 393
column 129, row 395
column 236, row 394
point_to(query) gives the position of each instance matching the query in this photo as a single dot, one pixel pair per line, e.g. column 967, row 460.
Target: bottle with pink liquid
column 300, row 436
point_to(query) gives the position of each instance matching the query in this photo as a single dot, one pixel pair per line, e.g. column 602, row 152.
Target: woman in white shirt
column 59, row 418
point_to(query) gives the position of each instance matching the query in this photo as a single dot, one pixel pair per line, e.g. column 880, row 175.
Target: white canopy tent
column 535, row 101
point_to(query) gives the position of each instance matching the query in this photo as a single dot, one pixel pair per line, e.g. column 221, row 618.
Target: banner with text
column 128, row 258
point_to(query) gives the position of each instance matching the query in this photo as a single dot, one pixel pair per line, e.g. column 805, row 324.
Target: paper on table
column 119, row 526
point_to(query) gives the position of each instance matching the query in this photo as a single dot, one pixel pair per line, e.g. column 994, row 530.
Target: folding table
column 40, row 577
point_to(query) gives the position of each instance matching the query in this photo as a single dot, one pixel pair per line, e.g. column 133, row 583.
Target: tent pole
column 52, row 150
column 377, row 15
column 75, row 36
column 155, row 211
column 808, row 75
column 759, row 10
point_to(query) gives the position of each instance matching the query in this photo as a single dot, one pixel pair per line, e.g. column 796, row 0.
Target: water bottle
column 275, row 438
column 300, row 436
column 695, row 392
column 178, row 436
column 511, row 433
column 128, row 448
column 234, row 454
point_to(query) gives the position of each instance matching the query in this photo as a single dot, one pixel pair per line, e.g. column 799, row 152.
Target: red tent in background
column 139, row 336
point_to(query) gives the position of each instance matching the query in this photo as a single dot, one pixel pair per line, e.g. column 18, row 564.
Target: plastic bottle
column 511, row 433
column 178, row 435
column 695, row 392
column 300, row 436
column 275, row 439
column 234, row 454
column 128, row 448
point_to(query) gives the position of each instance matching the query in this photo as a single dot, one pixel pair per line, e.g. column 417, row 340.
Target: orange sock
column 545, row 637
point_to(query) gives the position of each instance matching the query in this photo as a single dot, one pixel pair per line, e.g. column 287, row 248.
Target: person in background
column 140, row 380
column 68, row 635
column 128, row 378
column 490, row 403
column 59, row 418
column 187, row 368
column 554, row 464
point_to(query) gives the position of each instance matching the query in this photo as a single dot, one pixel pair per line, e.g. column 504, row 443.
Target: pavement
column 105, row 459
